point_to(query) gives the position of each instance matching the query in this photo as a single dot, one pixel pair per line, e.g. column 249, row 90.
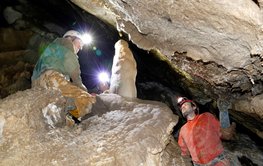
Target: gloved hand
column 229, row 133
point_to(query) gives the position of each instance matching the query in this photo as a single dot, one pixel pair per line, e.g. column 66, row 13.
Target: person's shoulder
column 210, row 116
column 207, row 114
column 184, row 126
column 64, row 42
column 61, row 40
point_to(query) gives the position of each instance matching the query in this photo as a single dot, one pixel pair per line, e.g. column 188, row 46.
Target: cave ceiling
column 222, row 39
column 214, row 48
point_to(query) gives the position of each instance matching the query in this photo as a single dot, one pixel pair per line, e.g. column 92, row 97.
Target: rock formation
column 124, row 71
column 216, row 46
column 207, row 50
column 129, row 132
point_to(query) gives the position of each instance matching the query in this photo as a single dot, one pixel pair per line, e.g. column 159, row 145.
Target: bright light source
column 103, row 77
column 86, row 38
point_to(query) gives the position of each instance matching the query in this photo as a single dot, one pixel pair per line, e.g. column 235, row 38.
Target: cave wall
column 214, row 48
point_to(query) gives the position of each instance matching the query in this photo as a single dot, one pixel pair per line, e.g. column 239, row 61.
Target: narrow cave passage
column 156, row 80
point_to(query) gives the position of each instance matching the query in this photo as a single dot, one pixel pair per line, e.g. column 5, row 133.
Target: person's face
column 78, row 44
column 187, row 109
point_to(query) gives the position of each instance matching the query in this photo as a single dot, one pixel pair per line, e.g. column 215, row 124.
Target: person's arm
column 76, row 79
column 184, row 151
column 224, row 133
column 228, row 130
column 72, row 68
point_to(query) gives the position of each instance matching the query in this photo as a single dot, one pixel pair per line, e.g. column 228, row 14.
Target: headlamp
column 103, row 77
column 86, row 38
column 182, row 100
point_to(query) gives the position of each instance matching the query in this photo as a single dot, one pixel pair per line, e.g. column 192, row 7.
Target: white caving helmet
column 182, row 100
column 73, row 33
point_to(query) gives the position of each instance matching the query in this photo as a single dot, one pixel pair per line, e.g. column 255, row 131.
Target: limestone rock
column 250, row 113
column 124, row 71
column 252, row 106
column 133, row 132
column 206, row 30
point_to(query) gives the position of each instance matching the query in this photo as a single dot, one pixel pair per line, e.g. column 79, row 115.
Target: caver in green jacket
column 60, row 56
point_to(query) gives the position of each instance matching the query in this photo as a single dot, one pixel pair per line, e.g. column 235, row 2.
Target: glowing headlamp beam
column 86, row 38
column 103, row 77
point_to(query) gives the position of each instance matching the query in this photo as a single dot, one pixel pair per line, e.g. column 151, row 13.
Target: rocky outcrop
column 15, row 65
column 206, row 30
column 206, row 49
column 250, row 113
column 119, row 132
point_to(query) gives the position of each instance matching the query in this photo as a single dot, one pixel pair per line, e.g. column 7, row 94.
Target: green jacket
column 59, row 56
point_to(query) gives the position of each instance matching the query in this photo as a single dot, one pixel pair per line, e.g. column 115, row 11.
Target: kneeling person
column 58, row 68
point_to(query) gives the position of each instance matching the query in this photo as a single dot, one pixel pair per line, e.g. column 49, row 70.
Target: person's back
column 202, row 137
column 58, row 56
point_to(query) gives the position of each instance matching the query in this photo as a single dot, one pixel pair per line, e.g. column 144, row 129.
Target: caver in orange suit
column 200, row 138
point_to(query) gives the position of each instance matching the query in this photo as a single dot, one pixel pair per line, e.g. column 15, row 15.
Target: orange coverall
column 200, row 138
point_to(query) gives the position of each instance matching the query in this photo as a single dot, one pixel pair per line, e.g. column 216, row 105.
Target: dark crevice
column 246, row 161
column 256, row 2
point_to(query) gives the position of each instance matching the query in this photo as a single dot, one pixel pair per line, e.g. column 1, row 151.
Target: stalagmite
column 124, row 71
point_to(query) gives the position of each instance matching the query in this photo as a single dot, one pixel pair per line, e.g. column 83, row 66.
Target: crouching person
column 200, row 138
column 58, row 68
